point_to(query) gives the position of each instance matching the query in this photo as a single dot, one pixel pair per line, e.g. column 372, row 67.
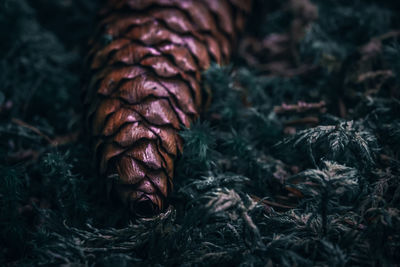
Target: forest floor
column 295, row 162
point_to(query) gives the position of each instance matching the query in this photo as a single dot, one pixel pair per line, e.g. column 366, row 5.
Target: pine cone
column 144, row 84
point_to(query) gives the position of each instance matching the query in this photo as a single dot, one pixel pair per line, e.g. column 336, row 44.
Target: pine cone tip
column 144, row 207
column 142, row 202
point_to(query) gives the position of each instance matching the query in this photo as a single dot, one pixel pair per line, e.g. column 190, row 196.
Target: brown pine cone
column 144, row 84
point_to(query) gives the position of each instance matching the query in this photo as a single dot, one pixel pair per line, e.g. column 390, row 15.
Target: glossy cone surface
column 143, row 84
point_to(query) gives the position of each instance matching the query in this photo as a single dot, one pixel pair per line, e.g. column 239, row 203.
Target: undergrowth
column 258, row 183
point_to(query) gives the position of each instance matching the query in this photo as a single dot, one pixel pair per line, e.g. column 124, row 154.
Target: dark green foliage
column 392, row 53
column 252, row 188
column 332, row 190
column 200, row 142
column 68, row 189
column 13, row 226
column 345, row 143
column 343, row 27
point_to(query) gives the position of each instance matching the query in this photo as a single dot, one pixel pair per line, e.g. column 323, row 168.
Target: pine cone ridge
column 144, row 85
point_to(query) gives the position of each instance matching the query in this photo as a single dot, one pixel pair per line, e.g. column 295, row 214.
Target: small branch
column 271, row 203
column 57, row 141
column 32, row 128
column 306, row 120
column 374, row 74
column 301, row 107
column 66, row 139
column 388, row 35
